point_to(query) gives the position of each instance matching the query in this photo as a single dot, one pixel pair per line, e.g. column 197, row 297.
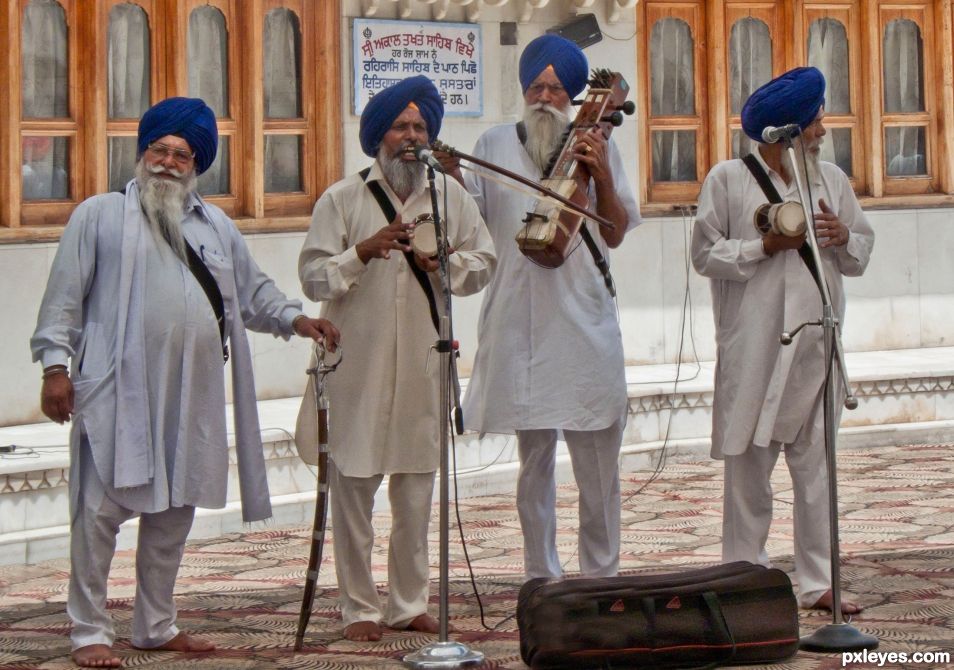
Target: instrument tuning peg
column 615, row 119
column 628, row 108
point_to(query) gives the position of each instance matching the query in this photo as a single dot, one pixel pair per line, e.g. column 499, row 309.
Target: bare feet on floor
column 847, row 606
column 185, row 643
column 96, row 656
column 363, row 631
column 425, row 623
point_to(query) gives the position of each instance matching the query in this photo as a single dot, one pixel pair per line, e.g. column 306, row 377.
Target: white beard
column 404, row 177
column 545, row 126
column 812, row 159
column 163, row 202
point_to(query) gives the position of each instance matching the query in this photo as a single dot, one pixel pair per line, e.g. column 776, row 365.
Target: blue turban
column 189, row 118
column 566, row 57
column 387, row 105
column 794, row 97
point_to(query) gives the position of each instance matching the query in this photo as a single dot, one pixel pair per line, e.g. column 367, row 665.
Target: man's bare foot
column 363, row 631
column 826, row 600
column 185, row 643
column 96, row 656
column 425, row 623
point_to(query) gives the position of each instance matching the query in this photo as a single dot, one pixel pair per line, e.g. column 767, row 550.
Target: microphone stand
column 444, row 653
column 837, row 636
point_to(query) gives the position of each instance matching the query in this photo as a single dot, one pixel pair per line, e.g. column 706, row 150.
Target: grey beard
column 812, row 159
column 545, row 126
column 402, row 176
column 163, row 202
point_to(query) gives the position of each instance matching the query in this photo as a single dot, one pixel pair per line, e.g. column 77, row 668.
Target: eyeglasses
column 161, row 151
column 537, row 89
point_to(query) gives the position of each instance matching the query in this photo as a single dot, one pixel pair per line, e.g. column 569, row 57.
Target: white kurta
column 764, row 391
column 180, row 454
column 550, row 353
column 384, row 397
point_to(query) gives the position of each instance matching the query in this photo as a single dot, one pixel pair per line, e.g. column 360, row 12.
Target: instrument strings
column 516, row 186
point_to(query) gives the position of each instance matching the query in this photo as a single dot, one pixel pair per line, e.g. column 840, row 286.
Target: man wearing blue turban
column 359, row 260
column 768, row 398
column 146, row 289
column 550, row 356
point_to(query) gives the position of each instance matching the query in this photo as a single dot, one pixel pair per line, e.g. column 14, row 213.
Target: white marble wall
column 906, row 300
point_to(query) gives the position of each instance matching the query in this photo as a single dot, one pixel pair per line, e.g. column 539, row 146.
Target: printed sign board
column 449, row 54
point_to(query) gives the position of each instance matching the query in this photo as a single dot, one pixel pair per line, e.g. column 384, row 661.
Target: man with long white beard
column 550, row 354
column 146, row 289
column 386, row 300
column 768, row 397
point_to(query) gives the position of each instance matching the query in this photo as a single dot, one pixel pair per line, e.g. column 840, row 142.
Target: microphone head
column 771, row 134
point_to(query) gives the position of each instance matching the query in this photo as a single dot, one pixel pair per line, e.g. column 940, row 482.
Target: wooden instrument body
column 550, row 231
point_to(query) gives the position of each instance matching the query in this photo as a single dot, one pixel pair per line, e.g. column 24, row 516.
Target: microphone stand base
column 837, row 637
column 448, row 654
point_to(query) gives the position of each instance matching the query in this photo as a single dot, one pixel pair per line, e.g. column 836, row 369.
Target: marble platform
column 905, row 396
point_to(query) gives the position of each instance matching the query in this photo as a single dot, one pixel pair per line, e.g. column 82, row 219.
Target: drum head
column 424, row 242
column 790, row 219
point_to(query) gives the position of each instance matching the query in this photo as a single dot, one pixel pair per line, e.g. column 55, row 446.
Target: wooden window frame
column 89, row 125
column 231, row 126
column 693, row 13
column 773, row 15
column 863, row 21
column 274, row 204
column 848, row 13
column 921, row 12
column 47, row 212
column 103, row 129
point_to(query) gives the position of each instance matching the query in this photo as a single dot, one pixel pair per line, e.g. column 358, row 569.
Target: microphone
column 771, row 134
column 426, row 156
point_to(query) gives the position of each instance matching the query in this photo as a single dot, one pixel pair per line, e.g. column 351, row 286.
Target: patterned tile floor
column 243, row 591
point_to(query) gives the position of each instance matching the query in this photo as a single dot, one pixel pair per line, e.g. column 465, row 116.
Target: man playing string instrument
column 385, row 395
column 550, row 355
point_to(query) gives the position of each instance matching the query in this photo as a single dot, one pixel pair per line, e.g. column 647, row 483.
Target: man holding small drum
column 768, row 397
column 358, row 259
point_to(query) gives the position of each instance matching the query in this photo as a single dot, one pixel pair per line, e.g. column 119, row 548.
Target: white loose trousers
column 352, row 500
column 747, row 511
column 94, row 524
column 595, row 458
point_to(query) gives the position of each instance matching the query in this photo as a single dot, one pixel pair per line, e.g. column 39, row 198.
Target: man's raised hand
column 393, row 236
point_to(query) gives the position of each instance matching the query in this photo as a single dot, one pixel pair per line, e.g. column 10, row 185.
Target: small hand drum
column 782, row 218
column 424, row 242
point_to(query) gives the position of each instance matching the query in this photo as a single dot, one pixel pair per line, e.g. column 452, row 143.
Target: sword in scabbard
column 325, row 363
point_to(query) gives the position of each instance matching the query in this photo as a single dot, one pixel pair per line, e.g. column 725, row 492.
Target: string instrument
column 550, row 231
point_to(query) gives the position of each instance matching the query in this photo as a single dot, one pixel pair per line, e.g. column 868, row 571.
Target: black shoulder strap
column 771, row 193
column 212, row 292
column 388, row 209
column 768, row 188
column 522, row 132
